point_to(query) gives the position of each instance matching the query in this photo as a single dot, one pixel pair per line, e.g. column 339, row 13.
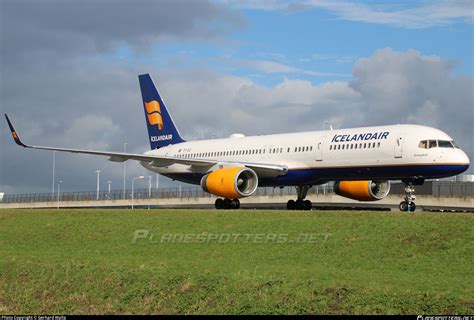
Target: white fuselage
column 383, row 152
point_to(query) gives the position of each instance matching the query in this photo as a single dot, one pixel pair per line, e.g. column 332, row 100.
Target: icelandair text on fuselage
column 161, row 138
column 359, row 137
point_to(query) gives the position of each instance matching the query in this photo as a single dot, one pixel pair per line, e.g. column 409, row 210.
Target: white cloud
column 276, row 67
column 270, row 66
column 425, row 15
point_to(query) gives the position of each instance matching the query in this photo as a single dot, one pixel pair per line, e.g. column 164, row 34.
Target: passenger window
column 432, row 144
column 378, row 145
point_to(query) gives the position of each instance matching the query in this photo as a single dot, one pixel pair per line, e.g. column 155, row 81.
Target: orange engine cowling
column 362, row 190
column 231, row 183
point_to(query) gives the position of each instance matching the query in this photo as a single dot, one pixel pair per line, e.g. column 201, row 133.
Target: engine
column 362, row 190
column 231, row 183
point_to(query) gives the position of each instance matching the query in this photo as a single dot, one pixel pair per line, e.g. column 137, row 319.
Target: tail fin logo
column 153, row 113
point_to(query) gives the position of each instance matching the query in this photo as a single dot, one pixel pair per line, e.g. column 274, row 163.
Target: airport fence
column 433, row 188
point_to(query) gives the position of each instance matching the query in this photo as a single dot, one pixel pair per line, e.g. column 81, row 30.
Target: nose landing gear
column 300, row 203
column 408, row 204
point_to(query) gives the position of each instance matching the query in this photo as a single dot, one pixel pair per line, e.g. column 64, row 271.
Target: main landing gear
column 408, row 204
column 227, row 204
column 300, row 203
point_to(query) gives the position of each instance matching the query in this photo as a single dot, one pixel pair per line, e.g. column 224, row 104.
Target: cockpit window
column 454, row 144
column 428, row 144
column 423, row 144
column 445, row 144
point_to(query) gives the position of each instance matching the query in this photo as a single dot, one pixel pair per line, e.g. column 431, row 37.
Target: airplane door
column 319, row 149
column 398, row 150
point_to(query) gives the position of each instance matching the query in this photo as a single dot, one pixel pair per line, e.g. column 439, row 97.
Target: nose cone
column 464, row 160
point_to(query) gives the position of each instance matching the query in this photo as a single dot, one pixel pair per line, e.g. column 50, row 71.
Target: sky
column 68, row 75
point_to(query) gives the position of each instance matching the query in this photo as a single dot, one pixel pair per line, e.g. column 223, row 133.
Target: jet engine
column 231, row 183
column 362, row 190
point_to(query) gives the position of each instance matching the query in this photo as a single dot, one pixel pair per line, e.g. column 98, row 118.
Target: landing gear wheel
column 235, row 204
column 291, row 205
column 219, row 204
column 307, row 205
column 299, row 204
column 409, row 204
column 403, row 206
column 227, row 204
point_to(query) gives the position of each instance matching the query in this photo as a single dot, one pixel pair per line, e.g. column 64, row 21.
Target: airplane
column 360, row 161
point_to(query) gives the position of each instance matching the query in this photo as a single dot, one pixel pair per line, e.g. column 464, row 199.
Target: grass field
column 205, row 261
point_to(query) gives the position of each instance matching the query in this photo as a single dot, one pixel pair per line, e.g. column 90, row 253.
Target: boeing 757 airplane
column 361, row 161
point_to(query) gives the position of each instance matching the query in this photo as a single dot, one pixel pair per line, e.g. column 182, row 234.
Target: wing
column 160, row 161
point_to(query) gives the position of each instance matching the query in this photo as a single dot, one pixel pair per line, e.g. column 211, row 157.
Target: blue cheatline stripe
column 315, row 175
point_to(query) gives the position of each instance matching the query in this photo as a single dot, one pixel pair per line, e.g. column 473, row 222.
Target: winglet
column 14, row 134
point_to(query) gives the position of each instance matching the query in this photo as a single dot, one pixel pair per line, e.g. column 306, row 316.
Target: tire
column 307, row 205
column 219, row 204
column 291, row 205
column 411, row 207
column 235, row 204
column 227, row 204
column 299, row 204
column 403, row 206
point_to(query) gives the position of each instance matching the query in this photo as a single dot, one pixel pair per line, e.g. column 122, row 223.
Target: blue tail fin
column 161, row 128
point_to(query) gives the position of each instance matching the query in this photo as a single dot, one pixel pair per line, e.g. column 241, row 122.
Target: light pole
column 157, row 183
column 124, row 169
column 59, row 186
column 133, row 181
column 98, row 180
column 54, row 169
column 149, row 187
column 110, row 183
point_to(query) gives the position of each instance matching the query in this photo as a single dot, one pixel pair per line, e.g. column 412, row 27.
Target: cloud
column 62, row 29
column 276, row 67
column 426, row 15
column 411, row 87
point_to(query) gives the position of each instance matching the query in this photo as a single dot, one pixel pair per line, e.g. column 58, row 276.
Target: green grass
column 84, row 261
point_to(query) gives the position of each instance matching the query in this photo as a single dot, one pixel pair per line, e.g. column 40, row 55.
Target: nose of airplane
column 465, row 158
